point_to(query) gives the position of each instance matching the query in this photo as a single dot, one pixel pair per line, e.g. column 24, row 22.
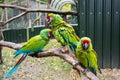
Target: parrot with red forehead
column 32, row 46
column 86, row 55
column 62, row 31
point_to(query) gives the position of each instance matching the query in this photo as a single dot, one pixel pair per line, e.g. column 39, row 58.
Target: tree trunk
column 1, row 38
column 1, row 60
column 1, row 33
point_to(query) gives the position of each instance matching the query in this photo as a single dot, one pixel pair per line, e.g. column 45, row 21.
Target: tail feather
column 100, row 71
column 17, row 52
column 96, row 70
column 73, row 46
column 16, row 67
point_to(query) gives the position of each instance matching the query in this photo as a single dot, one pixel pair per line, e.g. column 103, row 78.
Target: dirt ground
column 39, row 70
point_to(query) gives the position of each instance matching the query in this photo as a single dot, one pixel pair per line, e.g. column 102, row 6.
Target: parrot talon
column 64, row 49
column 33, row 55
column 74, row 66
column 86, row 70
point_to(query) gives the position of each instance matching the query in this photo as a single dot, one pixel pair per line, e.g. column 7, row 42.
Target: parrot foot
column 64, row 49
column 34, row 55
column 86, row 70
column 74, row 67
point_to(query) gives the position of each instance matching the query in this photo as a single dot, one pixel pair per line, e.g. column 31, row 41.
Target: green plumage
column 87, row 57
column 63, row 32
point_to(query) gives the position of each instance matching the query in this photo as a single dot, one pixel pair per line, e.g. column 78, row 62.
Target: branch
column 63, row 53
column 52, row 11
column 10, row 45
column 26, row 10
column 15, row 17
column 12, row 6
column 38, row 10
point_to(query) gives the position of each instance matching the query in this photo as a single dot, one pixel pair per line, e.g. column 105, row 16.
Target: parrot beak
column 85, row 45
column 48, row 21
column 50, row 34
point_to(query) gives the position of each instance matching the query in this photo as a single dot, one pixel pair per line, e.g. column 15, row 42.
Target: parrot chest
column 87, row 59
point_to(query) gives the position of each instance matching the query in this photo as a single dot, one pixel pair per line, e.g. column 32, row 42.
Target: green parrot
column 87, row 56
column 62, row 31
column 32, row 46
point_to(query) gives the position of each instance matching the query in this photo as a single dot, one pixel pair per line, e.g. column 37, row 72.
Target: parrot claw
column 64, row 49
column 34, row 55
column 86, row 70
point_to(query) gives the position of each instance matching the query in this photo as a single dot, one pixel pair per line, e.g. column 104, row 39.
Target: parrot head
column 50, row 33
column 53, row 19
column 46, row 33
column 85, row 43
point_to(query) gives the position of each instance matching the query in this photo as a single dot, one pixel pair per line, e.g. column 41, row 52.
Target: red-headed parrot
column 63, row 32
column 33, row 45
column 86, row 55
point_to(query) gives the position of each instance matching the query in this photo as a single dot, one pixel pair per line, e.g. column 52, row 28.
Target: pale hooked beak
column 48, row 21
column 85, row 46
column 50, row 34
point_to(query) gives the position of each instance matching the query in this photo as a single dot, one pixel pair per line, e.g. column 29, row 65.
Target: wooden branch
column 38, row 10
column 52, row 11
column 63, row 53
column 27, row 10
column 12, row 6
column 13, row 18
column 10, row 45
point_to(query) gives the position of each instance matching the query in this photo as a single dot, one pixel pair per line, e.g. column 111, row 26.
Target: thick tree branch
column 10, row 45
column 63, row 53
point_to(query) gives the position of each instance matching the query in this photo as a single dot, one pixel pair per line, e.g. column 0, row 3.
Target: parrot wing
column 96, row 62
column 66, row 37
column 35, row 44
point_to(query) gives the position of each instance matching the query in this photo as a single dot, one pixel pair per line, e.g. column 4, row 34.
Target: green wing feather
column 66, row 37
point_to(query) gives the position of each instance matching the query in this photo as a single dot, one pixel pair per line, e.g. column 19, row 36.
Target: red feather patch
column 48, row 17
column 86, row 41
column 51, row 31
column 20, row 60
